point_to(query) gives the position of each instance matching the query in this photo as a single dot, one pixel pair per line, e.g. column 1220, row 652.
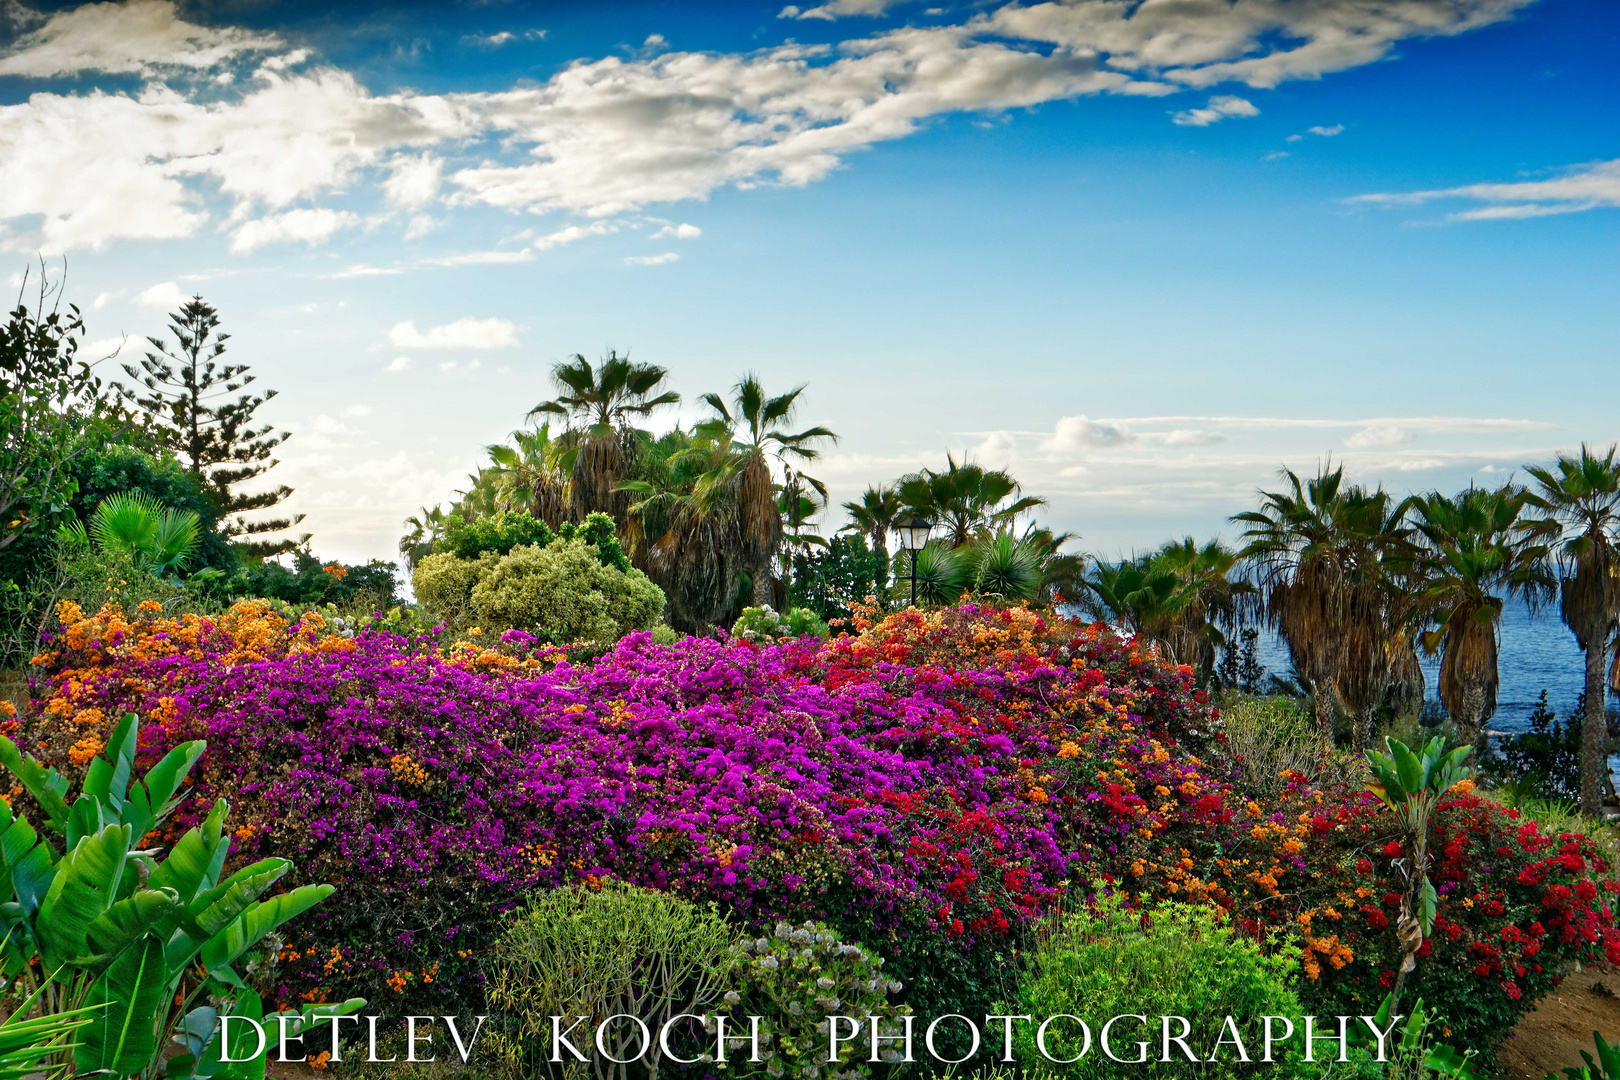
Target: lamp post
column 913, row 537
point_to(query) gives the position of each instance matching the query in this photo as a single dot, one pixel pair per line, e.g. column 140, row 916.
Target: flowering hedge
column 930, row 783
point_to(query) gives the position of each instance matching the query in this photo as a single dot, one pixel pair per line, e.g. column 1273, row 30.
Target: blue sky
column 1143, row 253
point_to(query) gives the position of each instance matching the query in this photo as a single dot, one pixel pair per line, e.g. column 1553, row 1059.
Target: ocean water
column 1537, row 653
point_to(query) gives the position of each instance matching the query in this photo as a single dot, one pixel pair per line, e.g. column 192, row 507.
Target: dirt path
column 1552, row 1038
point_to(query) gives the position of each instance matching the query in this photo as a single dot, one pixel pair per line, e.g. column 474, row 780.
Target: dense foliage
column 928, row 786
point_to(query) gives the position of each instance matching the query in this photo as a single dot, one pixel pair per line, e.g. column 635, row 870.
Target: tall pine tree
column 214, row 438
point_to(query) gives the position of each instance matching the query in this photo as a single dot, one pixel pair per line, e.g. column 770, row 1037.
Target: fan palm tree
column 532, row 473
column 966, row 498
column 683, row 529
column 422, row 531
column 1212, row 600
column 1320, row 553
column 599, row 404
column 134, row 525
column 1581, row 496
column 874, row 514
column 1062, row 573
column 756, row 427
column 1476, row 548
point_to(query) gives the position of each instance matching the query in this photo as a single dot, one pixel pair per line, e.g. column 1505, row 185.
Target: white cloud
column 1192, row 437
column 652, row 260
column 1379, row 435
column 101, row 348
column 504, row 37
column 398, row 364
column 464, row 333
column 1080, row 433
column 415, row 181
column 136, row 36
column 459, row 365
column 1582, row 187
column 1217, row 109
column 1326, row 132
column 1275, row 155
column 104, row 298
column 165, row 294
column 614, row 134
column 310, row 226
column 357, row 411
column 420, row 225
column 682, row 231
column 838, row 9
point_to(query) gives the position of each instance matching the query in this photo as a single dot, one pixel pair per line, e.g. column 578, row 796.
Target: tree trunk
column 762, row 582
column 1361, row 735
column 1469, row 711
column 1324, row 712
column 1594, row 734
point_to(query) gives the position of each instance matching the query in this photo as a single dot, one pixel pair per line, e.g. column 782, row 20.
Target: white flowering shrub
column 767, row 624
column 796, row 979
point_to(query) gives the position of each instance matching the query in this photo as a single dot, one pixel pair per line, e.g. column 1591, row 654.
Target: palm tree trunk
column 1594, row 736
column 1361, row 736
column 1324, row 712
column 762, row 582
column 1468, row 714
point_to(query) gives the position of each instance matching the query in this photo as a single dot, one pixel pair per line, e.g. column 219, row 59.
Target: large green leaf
column 1407, row 767
column 128, row 920
column 107, row 778
column 213, row 910
column 85, row 885
column 193, row 864
column 257, row 921
column 241, row 1044
column 47, row 786
column 123, row 1039
column 154, row 799
column 29, row 864
column 87, row 817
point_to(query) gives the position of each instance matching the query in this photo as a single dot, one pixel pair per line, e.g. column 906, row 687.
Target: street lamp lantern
column 913, row 538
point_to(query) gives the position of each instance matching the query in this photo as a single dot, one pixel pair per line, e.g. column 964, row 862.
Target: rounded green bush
column 563, row 591
column 444, row 585
column 1171, row 960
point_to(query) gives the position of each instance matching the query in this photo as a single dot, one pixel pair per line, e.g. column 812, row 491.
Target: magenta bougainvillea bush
column 930, row 784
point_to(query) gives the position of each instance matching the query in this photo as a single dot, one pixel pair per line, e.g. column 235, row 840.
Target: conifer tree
column 185, row 394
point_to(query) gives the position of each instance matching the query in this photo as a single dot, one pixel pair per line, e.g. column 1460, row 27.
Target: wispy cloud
column 1215, row 110
column 652, row 260
column 1581, row 187
column 464, row 333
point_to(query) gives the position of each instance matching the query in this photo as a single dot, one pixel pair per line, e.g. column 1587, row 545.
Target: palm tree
column 599, row 403
column 968, row 499
column 756, row 428
column 1320, row 554
column 134, row 525
column 874, row 514
column 1477, row 548
column 422, row 531
column 683, row 529
column 1062, row 573
column 532, row 473
column 1212, row 600
column 1582, row 498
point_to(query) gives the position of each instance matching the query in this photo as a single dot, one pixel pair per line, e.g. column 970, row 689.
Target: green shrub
column 499, row 534
column 665, row 634
column 444, row 583
column 766, row 624
column 1170, row 960
column 562, row 591
column 794, row 980
column 598, row 953
column 1267, row 735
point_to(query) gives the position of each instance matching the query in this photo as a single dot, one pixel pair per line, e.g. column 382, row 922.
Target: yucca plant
column 1412, row 783
column 135, row 525
column 147, row 946
column 942, row 572
column 1005, row 566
